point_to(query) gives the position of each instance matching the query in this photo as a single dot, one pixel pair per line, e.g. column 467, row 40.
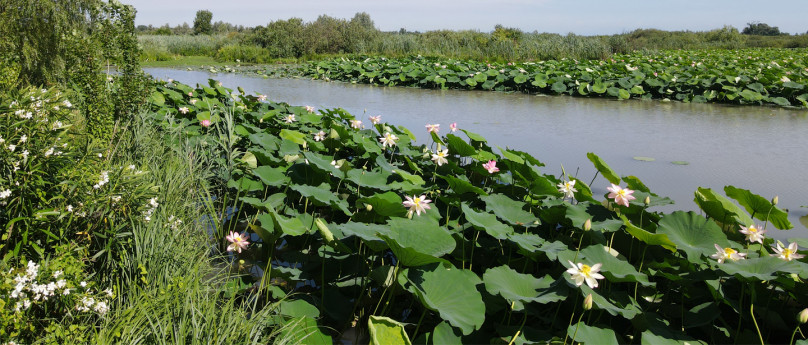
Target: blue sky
column 585, row 17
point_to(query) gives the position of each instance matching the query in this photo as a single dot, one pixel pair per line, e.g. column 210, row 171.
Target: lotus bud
column 775, row 200
column 324, row 231
column 803, row 318
column 426, row 155
column 588, row 302
column 305, row 144
column 369, row 207
column 588, row 224
column 647, row 201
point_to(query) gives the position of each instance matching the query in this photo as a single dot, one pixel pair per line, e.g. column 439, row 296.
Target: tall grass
column 172, row 291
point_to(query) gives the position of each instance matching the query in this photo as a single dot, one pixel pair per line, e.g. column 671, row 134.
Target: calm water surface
column 761, row 149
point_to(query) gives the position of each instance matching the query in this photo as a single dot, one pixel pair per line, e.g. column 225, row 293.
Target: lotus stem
column 752, row 312
column 794, row 334
column 576, row 330
column 420, row 319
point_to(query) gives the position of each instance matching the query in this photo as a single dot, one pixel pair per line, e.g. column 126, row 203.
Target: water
column 762, row 149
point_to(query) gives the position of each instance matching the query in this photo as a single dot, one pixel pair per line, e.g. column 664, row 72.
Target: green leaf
column 648, row 237
column 297, row 308
column 372, row 179
column 604, row 168
column 386, row 331
column 270, row 176
column 508, row 209
column 459, row 146
column 304, row 331
column 322, row 194
column 615, row 269
column 293, row 136
column 692, row 233
column 461, row 186
column 323, row 163
column 515, row 287
column 591, row 335
column 762, row 268
column 759, row 207
column 444, row 334
column 720, row 208
column 387, row 204
column 649, row 338
column 644, row 159
column 418, row 241
column 486, row 222
column 449, row 291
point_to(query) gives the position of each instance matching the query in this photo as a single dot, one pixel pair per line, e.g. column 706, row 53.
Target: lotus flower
column 237, row 241
column 440, row 157
column 388, row 140
column 621, row 196
column 567, row 188
column 788, row 253
column 417, row 204
column 723, row 254
column 319, row 136
column 491, row 166
column 753, row 234
column 433, row 128
column 375, row 119
column 581, row 273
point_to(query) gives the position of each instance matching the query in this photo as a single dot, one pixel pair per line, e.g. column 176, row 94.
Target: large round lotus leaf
column 763, row 268
column 271, row 176
column 444, row 334
column 720, row 208
column 418, row 241
column 385, row 204
column 514, row 286
column 591, row 335
column 692, row 233
column 486, row 222
column 322, row 194
column 449, row 291
column 386, row 331
column 649, row 338
column 304, row 331
column 323, row 163
column 508, row 209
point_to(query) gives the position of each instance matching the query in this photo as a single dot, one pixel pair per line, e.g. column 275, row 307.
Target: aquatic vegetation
column 748, row 76
column 358, row 229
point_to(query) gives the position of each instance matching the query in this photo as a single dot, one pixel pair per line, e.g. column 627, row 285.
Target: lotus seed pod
column 647, row 201
column 804, row 316
column 588, row 302
column 369, row 207
column 775, row 200
column 588, row 224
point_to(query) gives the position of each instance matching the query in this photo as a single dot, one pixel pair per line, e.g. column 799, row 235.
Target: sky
column 582, row 17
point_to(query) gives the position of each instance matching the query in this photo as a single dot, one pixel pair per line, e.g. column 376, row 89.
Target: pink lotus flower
column 262, row 98
column 375, row 119
column 491, row 166
column 433, row 128
column 453, row 126
column 310, row 109
column 621, row 196
column 356, row 124
column 205, row 123
column 237, row 241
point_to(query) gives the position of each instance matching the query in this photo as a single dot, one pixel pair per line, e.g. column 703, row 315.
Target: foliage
column 53, row 296
column 765, row 76
column 761, row 29
column 488, row 259
column 69, row 43
column 202, row 22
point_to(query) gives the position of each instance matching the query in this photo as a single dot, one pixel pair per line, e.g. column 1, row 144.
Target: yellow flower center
column 729, row 251
column 752, row 228
column 787, row 253
column 585, row 270
column 416, row 201
column 568, row 185
column 621, row 192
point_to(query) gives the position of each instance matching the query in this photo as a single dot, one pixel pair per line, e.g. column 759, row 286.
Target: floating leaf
column 644, row 159
column 680, row 162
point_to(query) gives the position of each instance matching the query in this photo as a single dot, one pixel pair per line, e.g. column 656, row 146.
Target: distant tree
column 202, row 22
column 163, row 30
column 762, row 29
column 502, row 33
column 362, row 19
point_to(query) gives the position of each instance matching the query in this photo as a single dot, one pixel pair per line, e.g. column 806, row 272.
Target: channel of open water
column 762, row 149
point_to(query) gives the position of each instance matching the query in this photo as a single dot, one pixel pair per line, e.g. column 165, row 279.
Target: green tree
column 762, row 29
column 202, row 22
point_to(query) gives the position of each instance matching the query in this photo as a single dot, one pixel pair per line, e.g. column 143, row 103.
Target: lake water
column 762, row 149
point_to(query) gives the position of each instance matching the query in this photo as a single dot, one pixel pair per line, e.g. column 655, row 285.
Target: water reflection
column 762, row 149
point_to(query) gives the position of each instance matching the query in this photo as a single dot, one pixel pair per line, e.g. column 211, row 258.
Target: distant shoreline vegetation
column 295, row 39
